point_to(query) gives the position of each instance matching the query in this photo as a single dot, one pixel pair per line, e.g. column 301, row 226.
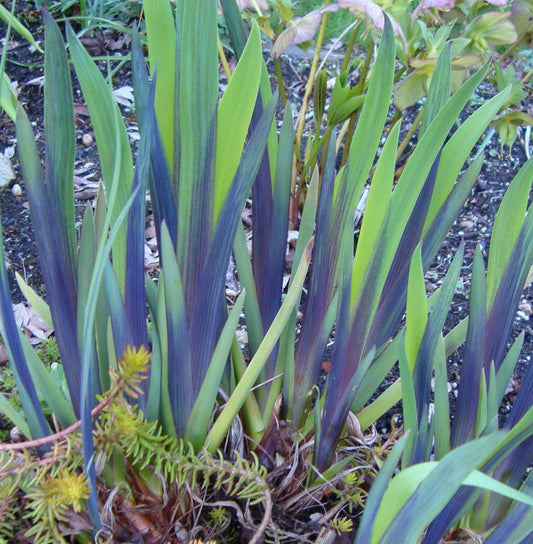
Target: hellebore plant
column 199, row 158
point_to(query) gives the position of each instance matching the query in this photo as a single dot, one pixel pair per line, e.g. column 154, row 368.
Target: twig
column 53, row 437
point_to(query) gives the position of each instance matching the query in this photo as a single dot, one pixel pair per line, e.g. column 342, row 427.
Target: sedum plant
column 199, row 158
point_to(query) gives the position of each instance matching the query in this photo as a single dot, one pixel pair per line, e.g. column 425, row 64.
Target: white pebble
column 87, row 139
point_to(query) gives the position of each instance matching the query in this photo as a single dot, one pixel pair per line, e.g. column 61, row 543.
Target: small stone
column 430, row 287
column 466, row 225
column 242, row 336
column 15, row 435
column 526, row 308
column 87, row 139
column 6, row 170
column 16, row 190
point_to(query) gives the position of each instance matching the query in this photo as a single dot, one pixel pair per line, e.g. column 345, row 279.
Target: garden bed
column 474, row 225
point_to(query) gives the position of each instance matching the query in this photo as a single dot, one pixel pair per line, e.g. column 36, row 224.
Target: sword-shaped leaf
column 161, row 33
column 466, row 413
column 179, row 366
column 202, row 411
column 134, row 298
column 439, row 89
column 377, row 492
column 163, row 195
column 36, row 422
column 458, row 148
column 197, row 65
column 424, row 363
column 321, row 289
column 517, row 526
column 112, row 141
column 507, row 226
column 407, row 508
column 218, row 431
column 235, row 25
column 207, row 313
column 240, row 95
column 52, row 201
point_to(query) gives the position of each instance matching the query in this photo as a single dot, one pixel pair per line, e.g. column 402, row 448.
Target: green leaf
column 507, row 226
column 17, row 418
column 112, row 140
column 197, row 102
column 288, row 340
column 458, row 148
column 415, row 172
column 18, row 27
column 60, row 406
column 57, row 263
column 159, row 311
column 161, row 35
column 506, row 369
column 370, row 125
column 201, row 412
column 441, row 417
column 379, row 488
column 240, row 96
column 377, row 205
column 416, row 312
column 180, row 385
column 8, row 98
column 439, row 89
column 239, row 395
column 254, row 323
column 468, row 404
column 517, row 525
column 425, row 362
column 11, row 336
column 410, row 413
column 417, row 494
column 34, row 300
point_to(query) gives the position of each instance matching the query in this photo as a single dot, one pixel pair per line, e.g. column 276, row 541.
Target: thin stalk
column 257, row 8
column 349, row 135
column 325, row 145
column 360, row 88
column 526, row 78
column 350, row 46
column 399, row 74
column 309, row 90
column 281, row 86
column 223, row 59
column 410, row 133
column 121, row 63
column 510, row 49
column 106, row 23
column 364, row 71
column 340, row 136
column 317, row 147
column 83, row 11
column 251, row 412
